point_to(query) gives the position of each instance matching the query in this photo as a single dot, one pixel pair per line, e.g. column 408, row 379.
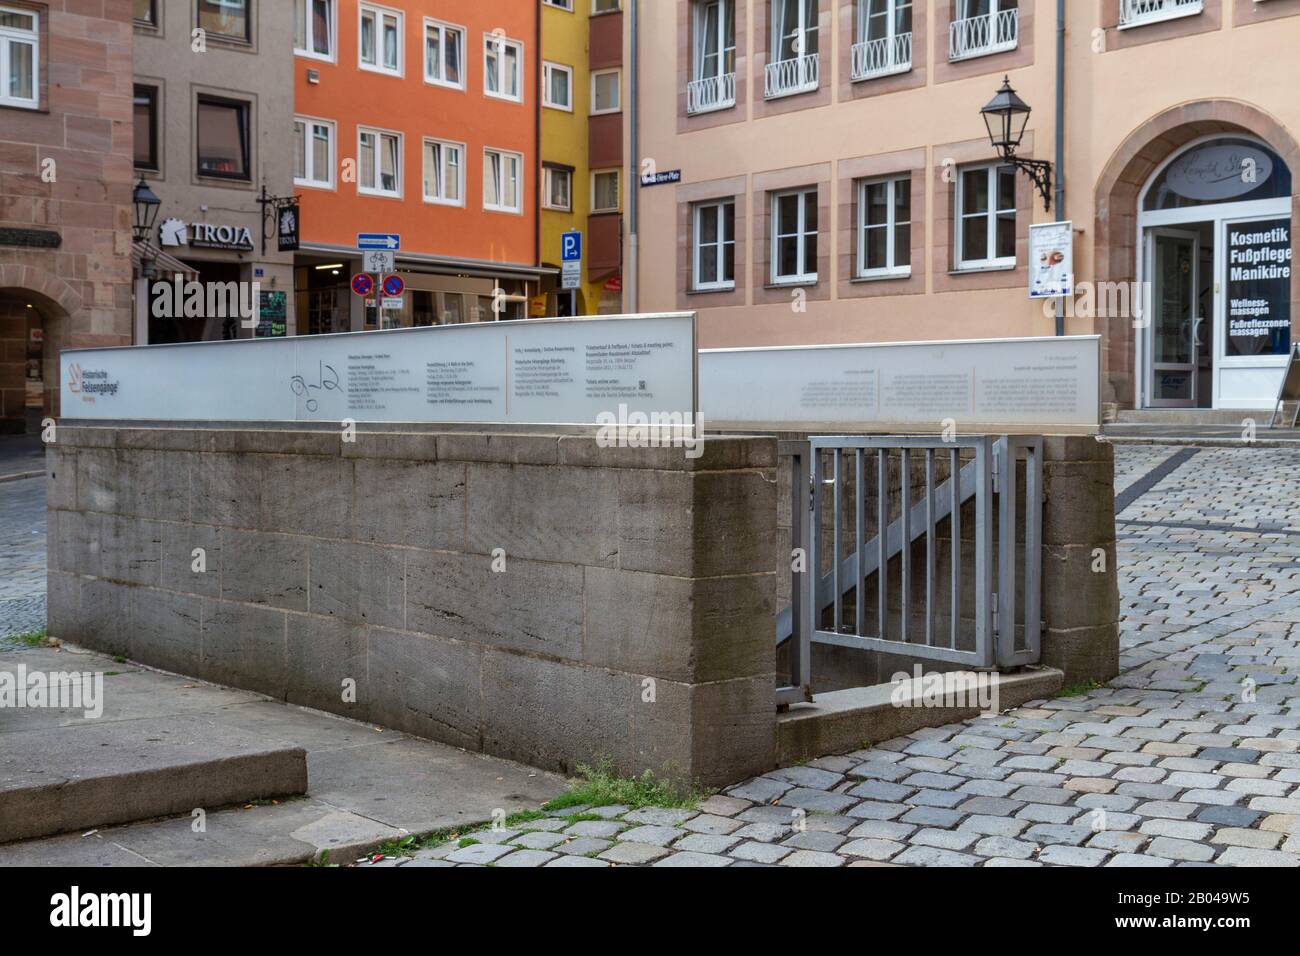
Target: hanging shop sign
column 289, row 227
column 1259, row 287
column 207, row 235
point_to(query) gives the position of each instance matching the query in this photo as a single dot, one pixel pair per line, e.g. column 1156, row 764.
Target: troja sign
column 550, row 371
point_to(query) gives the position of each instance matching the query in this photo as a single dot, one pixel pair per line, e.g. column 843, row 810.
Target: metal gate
column 937, row 596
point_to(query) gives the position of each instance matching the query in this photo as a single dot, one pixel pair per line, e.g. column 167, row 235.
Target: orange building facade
column 418, row 119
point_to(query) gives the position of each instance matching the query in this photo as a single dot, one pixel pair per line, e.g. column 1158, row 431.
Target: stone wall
column 632, row 620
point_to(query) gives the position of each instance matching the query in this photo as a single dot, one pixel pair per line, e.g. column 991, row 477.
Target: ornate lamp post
column 1006, row 116
column 146, row 213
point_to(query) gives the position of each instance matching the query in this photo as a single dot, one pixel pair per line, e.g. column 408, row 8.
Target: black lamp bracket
column 1039, row 171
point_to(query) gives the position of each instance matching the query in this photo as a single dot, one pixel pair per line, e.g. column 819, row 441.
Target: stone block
column 166, row 630
column 384, row 446
column 358, row 583
column 63, row 605
column 561, row 514
column 227, row 490
column 307, row 495
column 1074, row 595
column 530, row 606
column 244, row 646
column 678, row 628
column 72, row 541
column 321, row 654
column 130, row 550
column 413, row 504
column 104, row 617
column 556, row 715
column 503, row 449
column 183, row 570
column 60, row 478
column 269, row 569
column 1080, row 505
column 1084, row 653
column 426, row 685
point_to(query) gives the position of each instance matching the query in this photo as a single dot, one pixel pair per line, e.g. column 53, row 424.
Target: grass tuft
column 600, row 786
column 1079, row 690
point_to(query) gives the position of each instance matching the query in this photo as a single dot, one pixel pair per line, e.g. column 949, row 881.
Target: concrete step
column 845, row 720
column 1191, row 416
column 76, row 778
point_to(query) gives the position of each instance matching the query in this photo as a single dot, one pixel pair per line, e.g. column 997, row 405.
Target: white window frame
column 801, row 232
column 892, row 270
column 307, row 52
column 30, row 38
column 547, row 69
column 617, row 72
column 618, row 175
column 720, row 247
column 548, row 172
column 503, row 42
column 445, row 145
column 442, row 26
column 310, row 181
column 1131, row 15
column 379, row 14
column 596, row 11
column 565, row 5
column 993, row 261
column 519, row 190
column 379, row 135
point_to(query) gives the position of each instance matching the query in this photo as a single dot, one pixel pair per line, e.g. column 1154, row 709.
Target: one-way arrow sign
column 379, row 240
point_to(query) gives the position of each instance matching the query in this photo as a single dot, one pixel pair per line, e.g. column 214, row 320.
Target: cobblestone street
column 1188, row 758
column 22, row 556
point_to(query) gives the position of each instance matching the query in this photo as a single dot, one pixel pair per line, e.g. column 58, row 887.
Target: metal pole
column 1060, row 139
column 634, row 179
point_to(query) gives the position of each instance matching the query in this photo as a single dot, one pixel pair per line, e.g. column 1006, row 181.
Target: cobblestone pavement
column 22, row 556
column 1189, row 758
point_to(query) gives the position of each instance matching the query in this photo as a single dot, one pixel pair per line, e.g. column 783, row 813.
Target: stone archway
column 1116, row 209
column 34, row 327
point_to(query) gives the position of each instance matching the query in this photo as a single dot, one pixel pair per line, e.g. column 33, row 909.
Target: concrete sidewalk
column 366, row 785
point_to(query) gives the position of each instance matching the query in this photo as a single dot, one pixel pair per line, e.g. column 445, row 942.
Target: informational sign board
column 390, row 241
column 271, row 318
column 377, row 262
column 393, row 302
column 926, row 386
column 1259, row 287
column 548, row 371
column 662, row 179
column 1051, row 260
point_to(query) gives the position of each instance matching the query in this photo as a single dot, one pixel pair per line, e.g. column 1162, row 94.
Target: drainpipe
column 632, row 262
column 537, row 158
column 1060, row 139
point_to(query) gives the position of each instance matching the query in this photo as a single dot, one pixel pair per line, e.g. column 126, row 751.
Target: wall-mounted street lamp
column 146, row 213
column 1006, row 117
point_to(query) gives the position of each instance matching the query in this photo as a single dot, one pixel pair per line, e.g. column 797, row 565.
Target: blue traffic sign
column 394, row 286
column 379, row 240
column 571, row 247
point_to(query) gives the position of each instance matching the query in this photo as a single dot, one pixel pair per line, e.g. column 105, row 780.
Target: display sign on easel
column 1289, row 390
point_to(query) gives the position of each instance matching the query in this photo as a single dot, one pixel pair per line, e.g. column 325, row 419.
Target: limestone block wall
column 632, row 618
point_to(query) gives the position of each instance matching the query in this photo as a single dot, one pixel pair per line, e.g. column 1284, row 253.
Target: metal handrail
column 798, row 74
column 1133, row 13
column 984, row 34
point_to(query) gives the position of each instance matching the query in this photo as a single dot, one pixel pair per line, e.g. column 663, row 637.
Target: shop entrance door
column 1174, row 255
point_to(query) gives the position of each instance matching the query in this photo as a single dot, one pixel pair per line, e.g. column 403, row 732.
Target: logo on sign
column 90, row 382
column 571, row 247
column 1217, row 172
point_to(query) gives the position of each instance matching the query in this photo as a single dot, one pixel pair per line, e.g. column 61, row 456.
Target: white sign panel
column 526, row 372
column 377, row 261
column 1035, row 383
column 1051, row 260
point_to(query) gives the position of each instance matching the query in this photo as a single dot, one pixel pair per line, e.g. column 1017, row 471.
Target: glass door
column 1174, row 256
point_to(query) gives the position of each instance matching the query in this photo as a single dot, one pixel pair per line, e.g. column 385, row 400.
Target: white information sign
column 548, row 371
column 1002, row 383
column 377, row 261
column 1051, row 260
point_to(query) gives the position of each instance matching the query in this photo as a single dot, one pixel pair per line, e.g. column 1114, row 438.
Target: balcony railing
column 711, row 93
column 787, row 77
column 982, row 35
column 1136, row 13
column 883, row 57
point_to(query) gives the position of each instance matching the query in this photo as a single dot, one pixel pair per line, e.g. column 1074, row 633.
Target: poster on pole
column 1051, row 260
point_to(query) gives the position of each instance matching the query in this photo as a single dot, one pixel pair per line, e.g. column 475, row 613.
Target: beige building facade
column 213, row 104
column 838, row 183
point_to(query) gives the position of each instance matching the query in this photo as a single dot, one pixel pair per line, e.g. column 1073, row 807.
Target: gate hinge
column 997, row 475
column 995, row 613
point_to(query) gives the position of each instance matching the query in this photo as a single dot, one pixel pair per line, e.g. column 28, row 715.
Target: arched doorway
column 1214, row 269
column 1134, row 199
column 32, row 330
